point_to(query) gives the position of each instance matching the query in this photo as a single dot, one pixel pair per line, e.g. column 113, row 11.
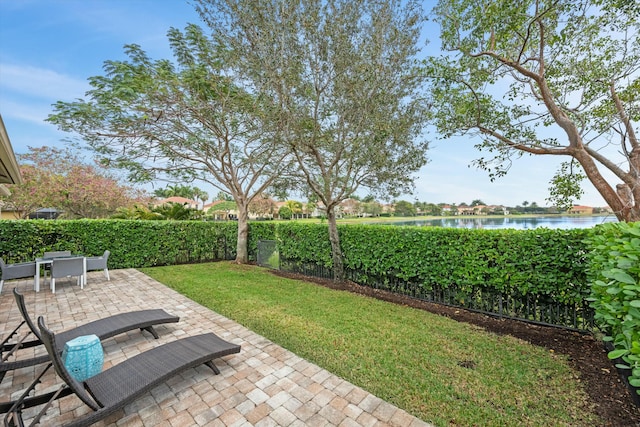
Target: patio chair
column 67, row 267
column 56, row 254
column 99, row 263
column 110, row 390
column 104, row 328
column 53, row 254
column 16, row 271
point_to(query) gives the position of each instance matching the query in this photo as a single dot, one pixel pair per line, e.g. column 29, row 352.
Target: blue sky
column 48, row 49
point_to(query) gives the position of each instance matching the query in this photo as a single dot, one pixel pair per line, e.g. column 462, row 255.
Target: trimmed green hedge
column 615, row 276
column 132, row 243
column 541, row 261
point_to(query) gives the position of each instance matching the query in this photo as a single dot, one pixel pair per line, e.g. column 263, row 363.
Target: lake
column 515, row 222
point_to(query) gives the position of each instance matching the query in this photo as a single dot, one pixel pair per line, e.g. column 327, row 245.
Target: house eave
column 9, row 170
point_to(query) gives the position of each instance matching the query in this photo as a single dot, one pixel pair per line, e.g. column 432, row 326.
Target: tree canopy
column 182, row 121
column 545, row 77
column 404, row 208
column 58, row 178
column 342, row 77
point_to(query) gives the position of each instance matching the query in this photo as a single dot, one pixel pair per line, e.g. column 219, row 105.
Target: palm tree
column 199, row 194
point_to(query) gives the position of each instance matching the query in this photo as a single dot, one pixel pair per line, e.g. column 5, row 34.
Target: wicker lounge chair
column 104, row 328
column 110, row 390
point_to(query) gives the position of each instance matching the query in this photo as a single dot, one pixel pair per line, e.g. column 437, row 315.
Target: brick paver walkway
column 263, row 385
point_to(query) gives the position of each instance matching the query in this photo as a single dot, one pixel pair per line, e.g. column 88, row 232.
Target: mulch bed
column 608, row 392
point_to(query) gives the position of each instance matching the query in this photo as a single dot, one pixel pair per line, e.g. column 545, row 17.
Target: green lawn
column 409, row 357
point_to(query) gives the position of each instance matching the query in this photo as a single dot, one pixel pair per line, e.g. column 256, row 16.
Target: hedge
column 525, row 262
column 614, row 273
column 132, row 243
column 545, row 262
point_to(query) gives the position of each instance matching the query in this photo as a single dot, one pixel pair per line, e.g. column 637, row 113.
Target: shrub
column 132, row 243
column 614, row 273
column 522, row 262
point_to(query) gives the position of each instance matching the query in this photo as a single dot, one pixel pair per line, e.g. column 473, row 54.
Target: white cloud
column 40, row 82
column 33, row 113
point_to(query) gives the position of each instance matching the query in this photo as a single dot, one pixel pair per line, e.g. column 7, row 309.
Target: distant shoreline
column 372, row 220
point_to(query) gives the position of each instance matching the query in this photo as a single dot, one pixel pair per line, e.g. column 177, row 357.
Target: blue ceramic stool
column 83, row 357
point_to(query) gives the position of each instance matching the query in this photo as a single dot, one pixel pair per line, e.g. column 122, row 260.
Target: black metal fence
column 538, row 309
column 223, row 250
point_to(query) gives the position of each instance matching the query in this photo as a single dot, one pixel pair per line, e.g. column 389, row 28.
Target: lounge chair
column 110, row 390
column 104, row 328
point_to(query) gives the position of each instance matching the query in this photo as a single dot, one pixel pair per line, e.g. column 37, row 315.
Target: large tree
column 343, row 77
column 546, row 77
column 183, row 121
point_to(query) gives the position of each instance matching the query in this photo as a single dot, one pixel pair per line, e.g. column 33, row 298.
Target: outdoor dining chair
column 67, row 267
column 51, row 255
column 99, row 263
column 16, row 271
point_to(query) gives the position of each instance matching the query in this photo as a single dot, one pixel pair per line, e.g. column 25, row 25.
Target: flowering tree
column 57, row 178
column 34, row 193
column 262, row 206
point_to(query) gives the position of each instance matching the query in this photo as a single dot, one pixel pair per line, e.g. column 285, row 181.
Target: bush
column 614, row 273
column 528, row 262
column 132, row 243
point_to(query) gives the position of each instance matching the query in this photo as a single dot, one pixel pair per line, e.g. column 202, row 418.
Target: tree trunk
column 242, row 250
column 623, row 203
column 336, row 252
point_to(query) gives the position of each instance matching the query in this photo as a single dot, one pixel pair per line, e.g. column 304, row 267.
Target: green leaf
column 624, row 278
column 617, row 353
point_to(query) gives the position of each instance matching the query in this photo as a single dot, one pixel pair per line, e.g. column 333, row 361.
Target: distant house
column 605, row 209
column 179, row 200
column 7, row 212
column 472, row 210
column 350, row 207
column 448, row 210
column 497, row 210
column 581, row 210
column 388, row 208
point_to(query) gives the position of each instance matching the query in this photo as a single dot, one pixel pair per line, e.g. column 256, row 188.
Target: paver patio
column 263, row 385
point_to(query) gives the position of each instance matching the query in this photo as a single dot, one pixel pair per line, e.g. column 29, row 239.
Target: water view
column 518, row 223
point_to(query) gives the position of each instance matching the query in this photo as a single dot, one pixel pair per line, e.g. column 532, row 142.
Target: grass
column 408, row 357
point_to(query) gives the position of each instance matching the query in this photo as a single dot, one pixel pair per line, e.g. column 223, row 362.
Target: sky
column 49, row 48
